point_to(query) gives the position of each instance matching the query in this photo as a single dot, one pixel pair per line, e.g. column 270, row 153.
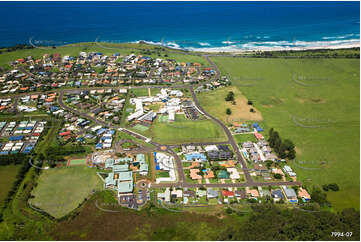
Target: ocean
column 221, row 26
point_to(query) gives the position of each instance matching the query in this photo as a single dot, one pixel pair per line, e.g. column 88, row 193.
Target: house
column 290, row 194
column 219, row 155
column 260, row 169
column 208, row 174
column 302, row 193
column 177, row 193
column 241, row 194
column 226, row 193
column 189, row 193
column 201, row 193
column 223, row 174
column 258, row 136
column 212, row 193
column 227, row 164
column 194, row 174
column 264, row 193
column 234, row 174
column 277, row 195
column 165, row 196
column 247, row 145
column 196, row 157
column 252, row 192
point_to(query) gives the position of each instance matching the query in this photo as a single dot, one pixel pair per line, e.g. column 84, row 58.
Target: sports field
column 184, row 130
column 61, row 190
column 315, row 103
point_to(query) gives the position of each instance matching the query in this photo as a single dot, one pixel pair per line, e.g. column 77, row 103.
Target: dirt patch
column 298, row 151
column 301, row 100
column 241, row 109
column 317, row 100
column 311, row 100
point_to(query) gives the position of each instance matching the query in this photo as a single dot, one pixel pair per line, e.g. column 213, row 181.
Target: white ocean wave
column 170, row 44
column 228, row 42
column 341, row 37
column 264, row 45
column 204, row 44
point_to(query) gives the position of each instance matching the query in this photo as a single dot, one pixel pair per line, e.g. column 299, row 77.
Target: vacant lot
column 7, row 178
column 217, row 105
column 315, row 103
column 184, row 130
column 61, row 190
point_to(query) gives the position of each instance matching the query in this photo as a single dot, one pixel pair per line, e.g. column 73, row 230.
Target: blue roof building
column 196, row 156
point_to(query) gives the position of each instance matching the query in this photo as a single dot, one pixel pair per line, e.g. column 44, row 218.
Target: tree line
column 22, row 159
column 284, row 148
column 15, row 48
column 15, row 159
column 57, row 153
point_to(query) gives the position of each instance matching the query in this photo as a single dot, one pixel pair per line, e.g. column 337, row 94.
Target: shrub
column 334, row 187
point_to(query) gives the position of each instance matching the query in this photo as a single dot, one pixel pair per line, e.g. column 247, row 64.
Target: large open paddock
column 61, row 190
column 185, row 131
column 315, row 103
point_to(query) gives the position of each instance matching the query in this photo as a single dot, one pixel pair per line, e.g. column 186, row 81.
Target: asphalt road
column 231, row 140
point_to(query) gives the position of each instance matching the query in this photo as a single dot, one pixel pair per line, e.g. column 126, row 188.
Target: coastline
column 239, row 50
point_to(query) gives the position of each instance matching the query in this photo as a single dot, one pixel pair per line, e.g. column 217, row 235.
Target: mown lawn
column 140, row 92
column 316, row 104
column 7, row 178
column 61, row 190
column 183, row 130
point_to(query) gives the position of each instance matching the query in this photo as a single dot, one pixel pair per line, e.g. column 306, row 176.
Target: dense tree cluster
column 269, row 222
column 285, row 148
column 332, row 186
column 15, row 47
column 55, row 153
column 15, row 159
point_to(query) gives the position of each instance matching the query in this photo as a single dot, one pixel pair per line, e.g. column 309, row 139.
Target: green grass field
column 296, row 94
column 61, row 190
column 7, row 178
column 75, row 162
column 141, row 128
column 184, row 130
column 140, row 92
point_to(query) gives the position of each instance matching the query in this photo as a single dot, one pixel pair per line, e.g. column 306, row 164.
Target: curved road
column 231, row 140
